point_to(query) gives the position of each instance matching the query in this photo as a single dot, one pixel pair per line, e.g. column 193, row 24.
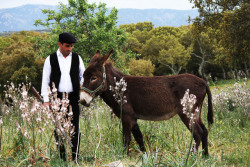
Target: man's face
column 65, row 48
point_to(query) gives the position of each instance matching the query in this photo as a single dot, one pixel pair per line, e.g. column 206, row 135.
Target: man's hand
column 46, row 104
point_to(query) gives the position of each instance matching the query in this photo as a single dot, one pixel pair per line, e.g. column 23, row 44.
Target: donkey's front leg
column 138, row 136
column 127, row 127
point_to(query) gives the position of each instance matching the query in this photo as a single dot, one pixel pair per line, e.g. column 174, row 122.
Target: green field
column 167, row 142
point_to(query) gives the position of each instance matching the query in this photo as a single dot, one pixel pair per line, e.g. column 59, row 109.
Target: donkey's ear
column 98, row 52
column 96, row 57
column 105, row 57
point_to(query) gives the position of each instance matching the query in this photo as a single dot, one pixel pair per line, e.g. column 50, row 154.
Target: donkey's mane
column 110, row 66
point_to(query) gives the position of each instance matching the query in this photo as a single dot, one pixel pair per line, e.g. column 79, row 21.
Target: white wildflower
column 119, row 90
column 39, row 119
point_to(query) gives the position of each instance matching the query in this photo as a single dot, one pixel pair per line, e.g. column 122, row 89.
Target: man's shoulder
column 53, row 54
column 53, row 58
column 75, row 54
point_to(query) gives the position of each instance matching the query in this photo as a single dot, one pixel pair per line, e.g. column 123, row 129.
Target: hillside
column 23, row 17
column 159, row 17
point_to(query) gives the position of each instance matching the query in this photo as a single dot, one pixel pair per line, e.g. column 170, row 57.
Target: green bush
column 141, row 67
column 19, row 61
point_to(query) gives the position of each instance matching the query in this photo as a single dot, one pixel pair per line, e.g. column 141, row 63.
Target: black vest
column 55, row 75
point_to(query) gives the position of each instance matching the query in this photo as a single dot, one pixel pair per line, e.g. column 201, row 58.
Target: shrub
column 19, row 60
column 141, row 67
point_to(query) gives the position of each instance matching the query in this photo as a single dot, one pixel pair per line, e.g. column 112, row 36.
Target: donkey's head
column 94, row 78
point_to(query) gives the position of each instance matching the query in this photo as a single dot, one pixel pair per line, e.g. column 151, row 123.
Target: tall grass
column 167, row 142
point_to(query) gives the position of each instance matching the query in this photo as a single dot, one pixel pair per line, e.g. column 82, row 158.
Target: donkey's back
column 159, row 98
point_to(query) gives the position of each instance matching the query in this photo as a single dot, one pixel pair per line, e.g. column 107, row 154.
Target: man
column 65, row 69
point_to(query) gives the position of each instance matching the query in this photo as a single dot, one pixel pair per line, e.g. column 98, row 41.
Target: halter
column 93, row 92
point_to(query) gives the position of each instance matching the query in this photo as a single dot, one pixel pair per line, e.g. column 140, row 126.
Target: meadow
column 27, row 133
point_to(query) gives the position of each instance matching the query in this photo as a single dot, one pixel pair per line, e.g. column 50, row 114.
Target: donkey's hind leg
column 204, row 138
column 138, row 136
column 197, row 130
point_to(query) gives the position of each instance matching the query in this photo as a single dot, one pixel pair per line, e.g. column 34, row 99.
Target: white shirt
column 65, row 84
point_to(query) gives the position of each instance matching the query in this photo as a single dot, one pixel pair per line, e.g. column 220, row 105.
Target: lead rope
column 78, row 142
column 100, row 136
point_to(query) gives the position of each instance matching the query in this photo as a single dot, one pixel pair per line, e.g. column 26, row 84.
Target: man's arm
column 46, row 81
column 81, row 70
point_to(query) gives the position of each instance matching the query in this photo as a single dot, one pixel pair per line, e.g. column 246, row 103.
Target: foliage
column 141, row 26
column 5, row 42
column 19, row 62
column 122, row 61
column 215, row 9
column 216, row 43
column 93, row 25
column 202, row 49
column 168, row 51
column 236, row 35
column 153, row 47
column 166, row 30
column 230, row 20
column 46, row 45
column 165, row 46
column 137, row 35
column 133, row 44
column 141, row 67
column 204, row 45
column 175, row 57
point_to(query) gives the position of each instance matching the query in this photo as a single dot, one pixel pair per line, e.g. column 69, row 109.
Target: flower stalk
column 119, row 90
column 188, row 101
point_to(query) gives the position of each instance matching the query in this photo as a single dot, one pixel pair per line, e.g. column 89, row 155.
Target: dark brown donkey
column 148, row 98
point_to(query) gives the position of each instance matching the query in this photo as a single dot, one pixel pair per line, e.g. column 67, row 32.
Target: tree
column 210, row 12
column 129, row 28
column 185, row 35
column 164, row 46
column 235, row 37
column 166, row 50
column 153, row 47
column 141, row 36
column 18, row 61
column 203, row 45
column 5, row 42
column 165, row 30
column 137, row 35
column 141, row 26
column 141, row 67
column 94, row 26
column 133, row 44
column 231, row 18
column 175, row 58
column 144, row 26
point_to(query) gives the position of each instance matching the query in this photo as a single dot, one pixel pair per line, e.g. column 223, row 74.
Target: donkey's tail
column 210, row 113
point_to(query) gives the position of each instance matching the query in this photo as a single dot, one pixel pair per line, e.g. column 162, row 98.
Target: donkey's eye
column 93, row 78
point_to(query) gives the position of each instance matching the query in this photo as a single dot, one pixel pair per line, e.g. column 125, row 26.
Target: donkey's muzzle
column 84, row 103
column 85, row 98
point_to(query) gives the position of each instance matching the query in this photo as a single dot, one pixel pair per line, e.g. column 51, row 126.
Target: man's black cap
column 67, row 38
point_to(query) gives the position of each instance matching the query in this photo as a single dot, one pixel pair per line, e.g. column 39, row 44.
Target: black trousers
column 75, row 140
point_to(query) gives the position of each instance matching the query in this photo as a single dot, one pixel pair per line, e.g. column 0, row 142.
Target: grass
column 166, row 142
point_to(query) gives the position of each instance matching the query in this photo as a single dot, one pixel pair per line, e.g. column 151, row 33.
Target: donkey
column 148, row 98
